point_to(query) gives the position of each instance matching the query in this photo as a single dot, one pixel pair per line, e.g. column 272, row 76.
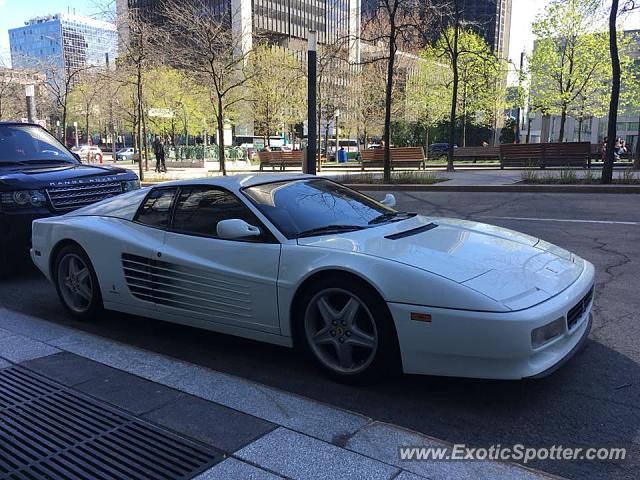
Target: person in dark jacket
column 158, row 151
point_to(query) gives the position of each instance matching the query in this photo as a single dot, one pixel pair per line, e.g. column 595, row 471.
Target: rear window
column 156, row 208
column 24, row 144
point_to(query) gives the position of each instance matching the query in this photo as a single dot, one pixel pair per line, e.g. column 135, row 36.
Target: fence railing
column 200, row 153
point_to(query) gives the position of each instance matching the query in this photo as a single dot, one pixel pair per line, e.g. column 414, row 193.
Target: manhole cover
column 48, row 431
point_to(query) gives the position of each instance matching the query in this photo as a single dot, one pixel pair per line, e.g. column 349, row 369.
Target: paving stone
column 232, row 468
column 32, row 327
column 129, row 392
column 213, row 424
column 69, row 369
column 298, row 456
column 130, row 359
column 382, row 441
column 297, row 413
column 17, row 348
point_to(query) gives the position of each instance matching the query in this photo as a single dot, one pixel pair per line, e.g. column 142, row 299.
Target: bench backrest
column 292, row 157
column 404, row 154
column 477, row 152
column 270, row 157
column 546, row 154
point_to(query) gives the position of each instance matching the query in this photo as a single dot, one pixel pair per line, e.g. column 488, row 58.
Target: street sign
column 161, row 112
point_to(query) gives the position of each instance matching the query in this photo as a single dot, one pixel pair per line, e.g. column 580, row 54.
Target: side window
column 199, row 210
column 156, row 208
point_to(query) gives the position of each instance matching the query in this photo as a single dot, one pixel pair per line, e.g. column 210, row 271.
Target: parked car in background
column 40, row 177
column 438, row 150
column 125, row 154
column 89, row 153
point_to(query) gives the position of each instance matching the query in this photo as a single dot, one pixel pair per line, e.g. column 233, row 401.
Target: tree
column 204, row 45
column 428, row 92
column 11, row 95
column 570, row 59
column 395, row 23
column 367, row 93
column 609, row 157
column 84, row 98
column 276, row 71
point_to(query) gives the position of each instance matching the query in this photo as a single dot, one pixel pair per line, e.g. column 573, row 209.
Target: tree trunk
column 221, row 153
column 607, row 169
column 388, row 99
column 580, row 121
column 563, row 122
column 454, row 104
column 86, row 122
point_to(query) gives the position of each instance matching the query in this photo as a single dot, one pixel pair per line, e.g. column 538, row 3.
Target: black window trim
column 267, row 235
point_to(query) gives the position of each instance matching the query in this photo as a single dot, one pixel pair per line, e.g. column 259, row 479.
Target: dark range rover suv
column 40, row 177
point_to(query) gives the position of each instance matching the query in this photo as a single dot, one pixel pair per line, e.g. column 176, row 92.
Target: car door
column 231, row 282
column 137, row 251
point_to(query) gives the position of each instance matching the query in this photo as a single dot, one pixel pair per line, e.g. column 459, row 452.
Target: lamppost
column 29, row 91
column 312, row 59
column 75, row 127
column 337, row 132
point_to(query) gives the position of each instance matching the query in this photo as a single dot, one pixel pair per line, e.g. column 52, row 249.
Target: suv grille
column 76, row 196
column 579, row 309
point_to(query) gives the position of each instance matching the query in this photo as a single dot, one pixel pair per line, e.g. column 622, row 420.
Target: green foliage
column 428, row 95
column 570, row 65
column 277, row 89
column 508, row 134
column 408, row 134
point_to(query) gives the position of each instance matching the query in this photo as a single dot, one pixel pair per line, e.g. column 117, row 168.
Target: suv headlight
column 130, row 185
column 23, row 199
column 543, row 335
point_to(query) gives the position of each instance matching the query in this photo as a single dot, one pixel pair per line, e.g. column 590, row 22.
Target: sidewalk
column 95, row 405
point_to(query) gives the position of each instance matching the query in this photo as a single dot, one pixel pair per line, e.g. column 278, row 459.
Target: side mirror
column 235, row 229
column 389, row 200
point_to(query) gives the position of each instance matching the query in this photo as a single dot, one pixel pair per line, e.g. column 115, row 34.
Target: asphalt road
column 593, row 401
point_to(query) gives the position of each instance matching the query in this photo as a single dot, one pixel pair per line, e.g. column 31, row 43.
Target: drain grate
column 48, row 431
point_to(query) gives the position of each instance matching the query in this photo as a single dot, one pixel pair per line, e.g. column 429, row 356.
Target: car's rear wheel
column 348, row 331
column 77, row 283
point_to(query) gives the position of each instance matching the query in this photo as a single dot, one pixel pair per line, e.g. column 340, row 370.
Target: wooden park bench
column 542, row 155
column 401, row 157
column 292, row 159
column 281, row 160
column 270, row 159
column 476, row 153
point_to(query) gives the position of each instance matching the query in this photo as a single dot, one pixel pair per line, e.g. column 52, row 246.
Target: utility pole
column 312, row 59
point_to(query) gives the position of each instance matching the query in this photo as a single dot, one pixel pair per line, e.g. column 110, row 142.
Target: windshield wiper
column 330, row 229
column 386, row 217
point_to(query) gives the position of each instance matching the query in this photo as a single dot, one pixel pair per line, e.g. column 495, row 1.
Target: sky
column 13, row 13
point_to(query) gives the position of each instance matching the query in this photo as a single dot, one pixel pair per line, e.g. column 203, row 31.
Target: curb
column 619, row 189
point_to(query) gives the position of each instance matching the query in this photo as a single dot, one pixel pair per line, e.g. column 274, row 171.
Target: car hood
column 61, row 175
column 512, row 268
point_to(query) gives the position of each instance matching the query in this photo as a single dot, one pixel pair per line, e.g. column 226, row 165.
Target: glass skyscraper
column 62, row 41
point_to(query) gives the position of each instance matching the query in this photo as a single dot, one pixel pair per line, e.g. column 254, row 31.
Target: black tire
column 384, row 361
column 94, row 306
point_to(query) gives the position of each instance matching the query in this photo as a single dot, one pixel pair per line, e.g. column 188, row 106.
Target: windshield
column 296, row 207
column 25, row 144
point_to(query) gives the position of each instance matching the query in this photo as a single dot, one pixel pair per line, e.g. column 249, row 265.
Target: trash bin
column 342, row 156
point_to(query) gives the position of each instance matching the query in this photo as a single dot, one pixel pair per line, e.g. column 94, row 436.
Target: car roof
column 236, row 182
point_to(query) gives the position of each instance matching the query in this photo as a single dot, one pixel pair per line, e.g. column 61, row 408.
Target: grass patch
column 577, row 177
column 397, row 178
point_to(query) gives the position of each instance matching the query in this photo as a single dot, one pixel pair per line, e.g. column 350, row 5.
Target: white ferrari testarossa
column 302, row 260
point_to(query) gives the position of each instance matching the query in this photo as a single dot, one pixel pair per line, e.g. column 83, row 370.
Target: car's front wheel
column 348, row 330
column 77, row 284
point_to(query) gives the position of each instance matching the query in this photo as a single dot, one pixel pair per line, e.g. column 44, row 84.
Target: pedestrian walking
column 158, row 150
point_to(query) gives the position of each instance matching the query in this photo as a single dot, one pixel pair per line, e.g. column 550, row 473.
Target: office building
column 491, row 19
column 62, row 40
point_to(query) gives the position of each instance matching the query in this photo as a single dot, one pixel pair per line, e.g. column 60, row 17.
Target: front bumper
column 491, row 345
column 15, row 228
